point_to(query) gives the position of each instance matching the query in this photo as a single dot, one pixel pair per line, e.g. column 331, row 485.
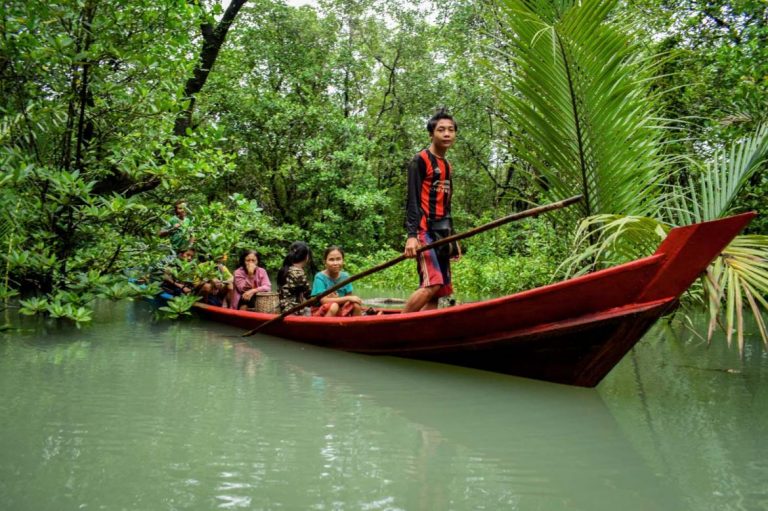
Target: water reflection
column 697, row 414
column 136, row 414
column 472, row 437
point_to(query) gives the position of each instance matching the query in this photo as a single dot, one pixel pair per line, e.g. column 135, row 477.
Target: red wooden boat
column 572, row 332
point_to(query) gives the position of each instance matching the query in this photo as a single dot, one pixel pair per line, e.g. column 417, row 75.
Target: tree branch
column 213, row 39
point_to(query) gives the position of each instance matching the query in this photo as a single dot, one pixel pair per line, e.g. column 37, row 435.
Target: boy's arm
column 412, row 207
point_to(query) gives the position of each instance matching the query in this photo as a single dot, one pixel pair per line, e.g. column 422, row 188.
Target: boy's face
column 444, row 135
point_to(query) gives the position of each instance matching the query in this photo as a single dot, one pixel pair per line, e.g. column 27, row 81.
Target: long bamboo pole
column 448, row 239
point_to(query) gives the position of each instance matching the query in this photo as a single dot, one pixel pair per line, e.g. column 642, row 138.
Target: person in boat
column 249, row 279
column 178, row 228
column 341, row 302
column 172, row 282
column 292, row 279
column 218, row 290
column 428, row 214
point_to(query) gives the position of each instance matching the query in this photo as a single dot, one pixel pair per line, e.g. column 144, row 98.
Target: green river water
column 130, row 413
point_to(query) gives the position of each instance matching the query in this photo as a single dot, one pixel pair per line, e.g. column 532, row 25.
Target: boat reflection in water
column 445, row 437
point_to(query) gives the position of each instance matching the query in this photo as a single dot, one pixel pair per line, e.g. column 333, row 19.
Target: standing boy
column 428, row 213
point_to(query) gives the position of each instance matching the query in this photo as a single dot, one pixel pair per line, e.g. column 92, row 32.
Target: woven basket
column 267, row 302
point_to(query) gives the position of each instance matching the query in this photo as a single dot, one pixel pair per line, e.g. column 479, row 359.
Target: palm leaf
column 577, row 104
column 739, row 275
column 581, row 115
column 737, row 278
column 605, row 240
column 711, row 193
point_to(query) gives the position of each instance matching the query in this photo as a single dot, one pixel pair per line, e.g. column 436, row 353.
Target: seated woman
column 341, row 302
column 292, row 278
column 249, row 279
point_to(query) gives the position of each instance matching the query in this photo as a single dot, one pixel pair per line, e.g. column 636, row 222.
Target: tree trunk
column 79, row 91
column 213, row 39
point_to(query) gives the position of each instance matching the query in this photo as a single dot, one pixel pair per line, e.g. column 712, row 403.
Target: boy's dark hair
column 439, row 115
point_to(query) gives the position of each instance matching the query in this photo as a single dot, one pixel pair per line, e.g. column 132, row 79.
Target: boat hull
column 572, row 332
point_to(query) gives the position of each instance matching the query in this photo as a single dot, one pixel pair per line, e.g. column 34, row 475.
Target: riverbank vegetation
column 280, row 123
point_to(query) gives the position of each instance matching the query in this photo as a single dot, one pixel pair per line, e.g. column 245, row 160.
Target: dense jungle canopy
column 280, row 123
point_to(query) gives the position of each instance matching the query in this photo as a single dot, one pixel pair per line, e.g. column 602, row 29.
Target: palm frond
column 710, row 194
column 605, row 240
column 577, row 104
column 575, row 91
column 739, row 275
column 737, row 279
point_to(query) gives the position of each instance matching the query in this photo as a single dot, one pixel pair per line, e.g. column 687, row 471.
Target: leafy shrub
column 178, row 306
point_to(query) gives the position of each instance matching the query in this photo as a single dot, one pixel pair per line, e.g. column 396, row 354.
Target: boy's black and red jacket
column 429, row 193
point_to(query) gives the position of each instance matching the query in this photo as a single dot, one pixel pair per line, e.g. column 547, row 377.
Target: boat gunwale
column 457, row 309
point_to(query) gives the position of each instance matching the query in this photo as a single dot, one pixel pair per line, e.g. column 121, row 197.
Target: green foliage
column 309, row 117
column 148, row 290
column 34, row 305
column 74, row 302
column 713, row 77
column 507, row 260
column 483, row 278
column 178, row 306
column 578, row 105
column 7, row 293
column 711, row 192
column 87, row 124
column 607, row 240
column 736, row 279
column 717, row 62
column 117, row 291
column 223, row 228
column 57, row 309
column 504, row 261
column 299, row 154
column 400, row 276
column 582, row 115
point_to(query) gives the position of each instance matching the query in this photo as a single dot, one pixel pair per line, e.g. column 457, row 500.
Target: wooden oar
column 448, row 239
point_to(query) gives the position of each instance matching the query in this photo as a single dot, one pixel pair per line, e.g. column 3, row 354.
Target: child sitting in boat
column 176, row 276
column 250, row 279
column 341, row 302
column 216, row 289
column 291, row 279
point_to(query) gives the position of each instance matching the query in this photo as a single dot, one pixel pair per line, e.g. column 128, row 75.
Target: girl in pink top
column 250, row 278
